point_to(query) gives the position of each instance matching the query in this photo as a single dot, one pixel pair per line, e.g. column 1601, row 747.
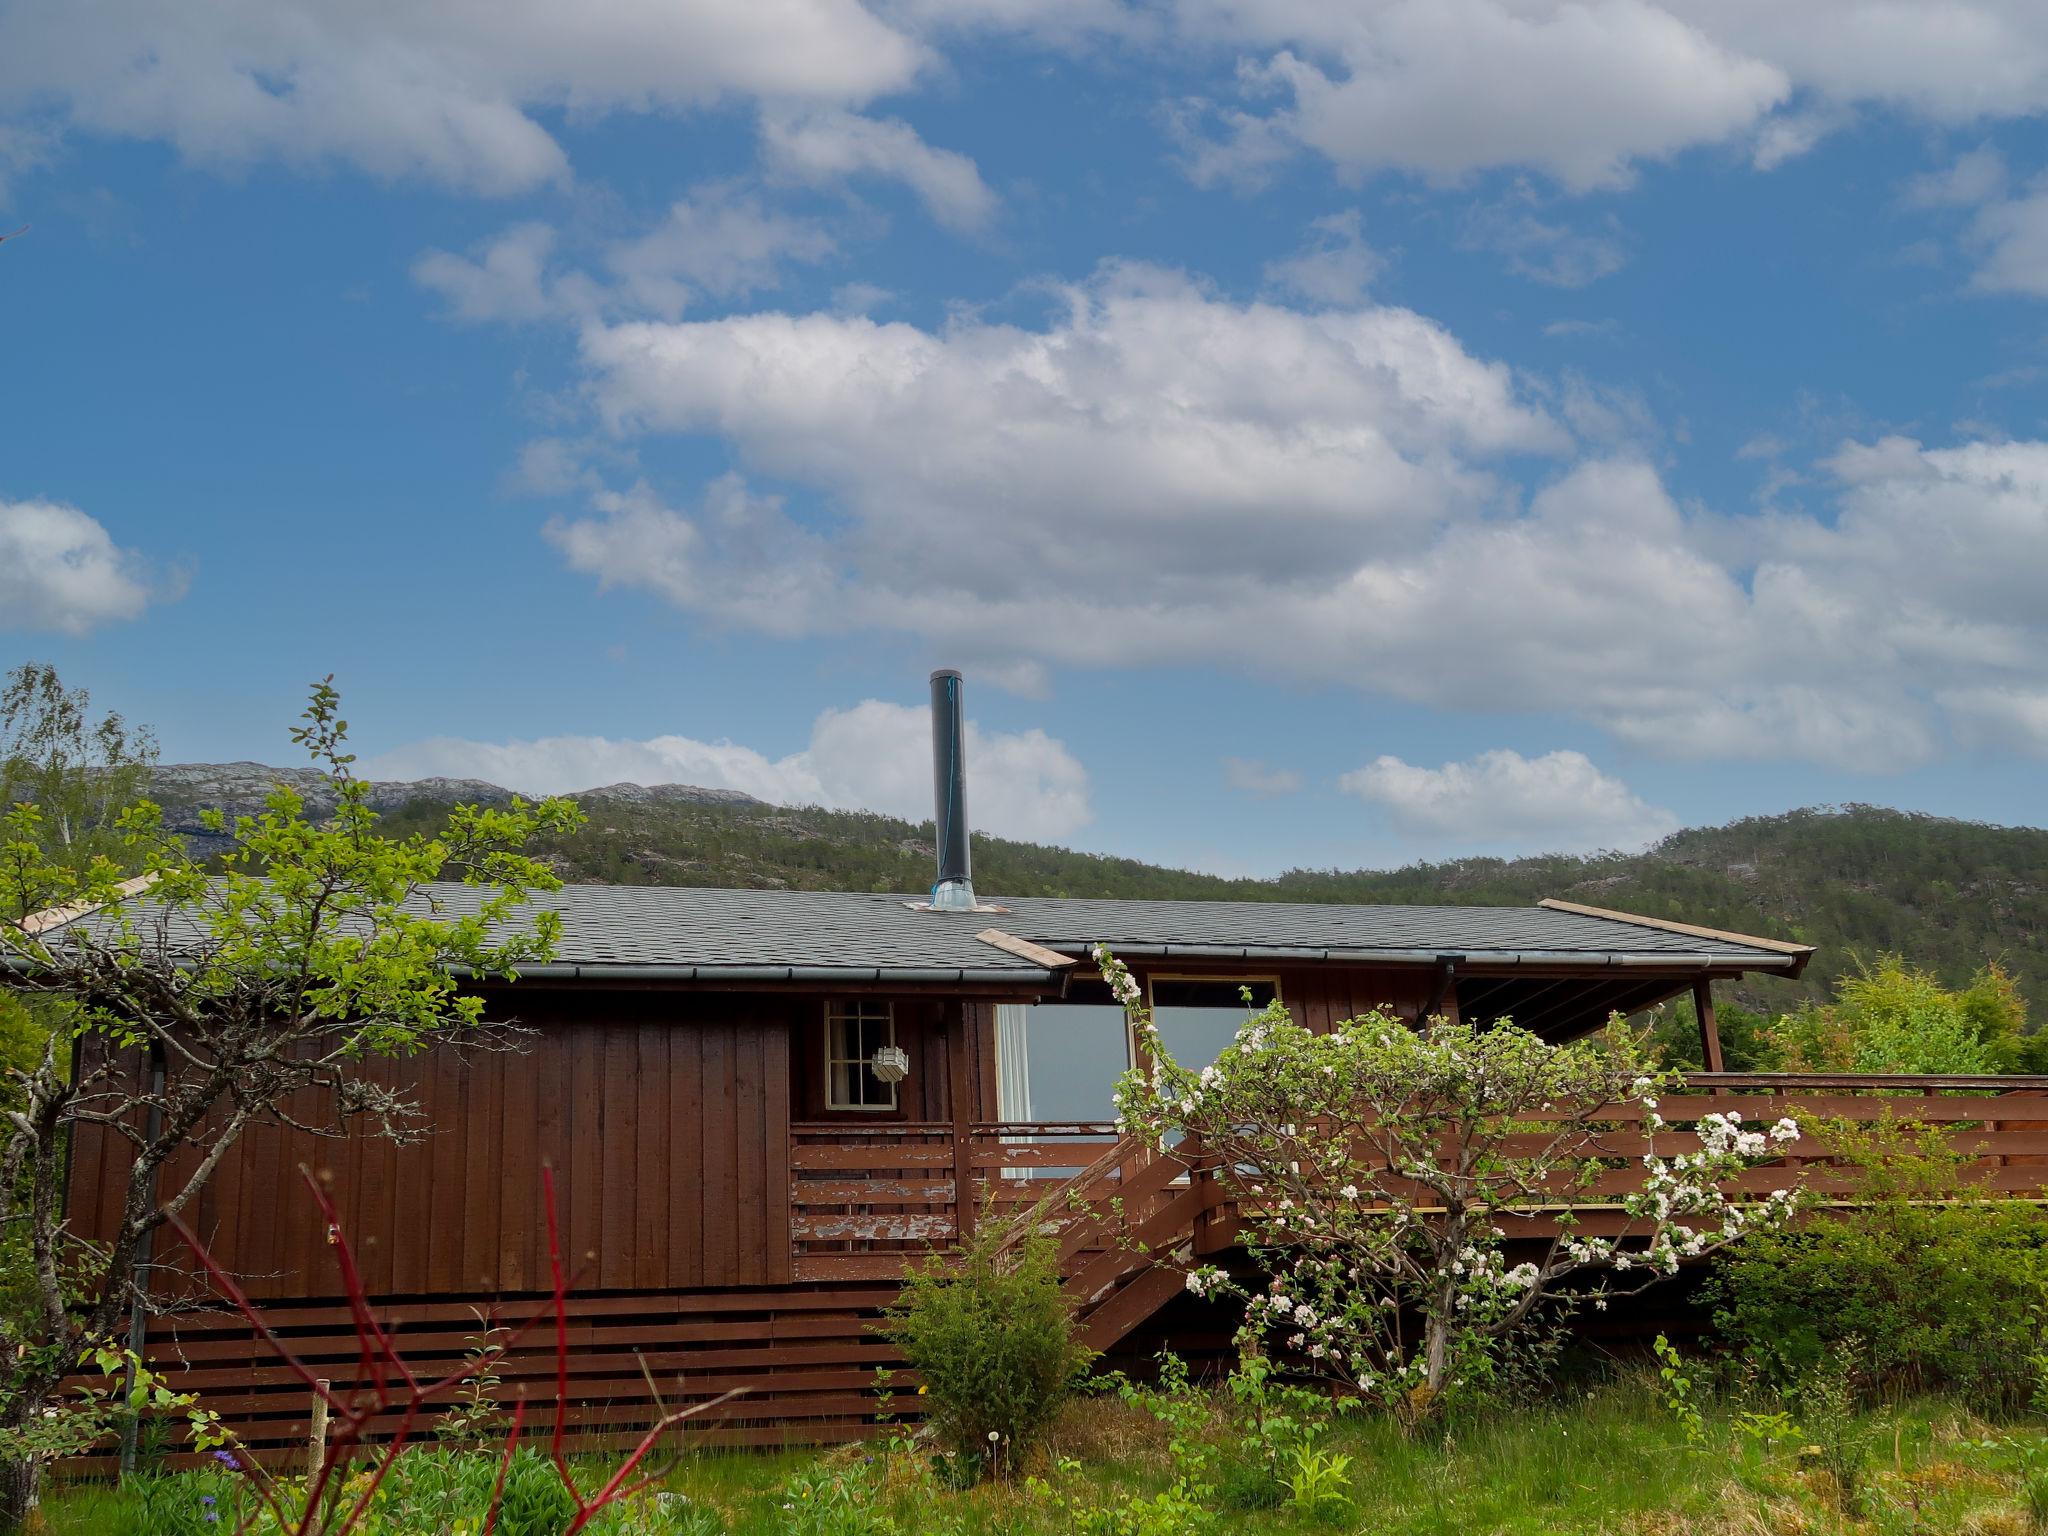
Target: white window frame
column 839, row 1014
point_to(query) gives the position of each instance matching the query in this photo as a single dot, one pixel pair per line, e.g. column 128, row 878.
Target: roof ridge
column 1670, row 925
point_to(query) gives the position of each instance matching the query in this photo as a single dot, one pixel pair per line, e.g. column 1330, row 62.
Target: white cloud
column 448, row 90
column 1155, row 476
column 1152, row 446
column 59, row 569
column 737, row 560
column 1336, row 267
column 875, row 756
column 823, row 147
column 1261, row 779
column 720, row 241
column 1558, row 802
column 1585, row 91
column 1441, row 88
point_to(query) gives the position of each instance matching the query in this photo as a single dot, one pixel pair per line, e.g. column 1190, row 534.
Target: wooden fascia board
column 1669, row 925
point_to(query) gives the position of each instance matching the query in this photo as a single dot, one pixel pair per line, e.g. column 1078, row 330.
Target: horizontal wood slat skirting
column 806, row 1355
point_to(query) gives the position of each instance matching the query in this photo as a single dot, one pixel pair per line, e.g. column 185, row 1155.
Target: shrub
column 992, row 1335
column 1895, row 1017
column 1947, row 1288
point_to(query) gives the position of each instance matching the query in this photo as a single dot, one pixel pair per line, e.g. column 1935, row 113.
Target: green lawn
column 1611, row 1460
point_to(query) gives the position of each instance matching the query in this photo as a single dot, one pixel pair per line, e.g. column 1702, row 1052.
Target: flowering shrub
column 1376, row 1167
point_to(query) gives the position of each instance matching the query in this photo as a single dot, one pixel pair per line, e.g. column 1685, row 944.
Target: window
column 1199, row 1015
column 1058, row 1062
column 853, row 1033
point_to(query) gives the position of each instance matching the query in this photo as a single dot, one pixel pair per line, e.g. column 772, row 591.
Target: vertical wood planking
column 534, row 1088
column 750, row 1126
column 620, row 1151
column 445, row 1171
column 687, row 1108
column 776, row 1057
column 721, row 1183
column 477, row 1216
column 583, row 1186
column 371, row 1209
column 651, row 1156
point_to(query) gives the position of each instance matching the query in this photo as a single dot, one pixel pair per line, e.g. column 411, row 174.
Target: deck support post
column 960, row 1090
column 1710, row 1031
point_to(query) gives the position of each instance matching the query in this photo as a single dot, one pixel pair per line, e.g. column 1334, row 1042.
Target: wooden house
column 759, row 1105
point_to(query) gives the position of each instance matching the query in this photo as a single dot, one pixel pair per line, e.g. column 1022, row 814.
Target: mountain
column 1856, row 881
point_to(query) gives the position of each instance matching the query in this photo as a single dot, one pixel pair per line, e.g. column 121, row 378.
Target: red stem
column 505, row 1465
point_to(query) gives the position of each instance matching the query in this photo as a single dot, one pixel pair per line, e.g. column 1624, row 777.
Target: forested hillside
column 1856, row 881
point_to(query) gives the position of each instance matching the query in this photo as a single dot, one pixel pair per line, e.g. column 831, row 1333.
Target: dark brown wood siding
column 665, row 1118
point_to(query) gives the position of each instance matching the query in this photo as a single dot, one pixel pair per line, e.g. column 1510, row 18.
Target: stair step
column 1107, row 1324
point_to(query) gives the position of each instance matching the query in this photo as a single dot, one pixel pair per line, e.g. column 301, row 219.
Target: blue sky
column 1323, row 434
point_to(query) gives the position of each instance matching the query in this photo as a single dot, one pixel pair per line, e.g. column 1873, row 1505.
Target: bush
column 1946, row 1287
column 991, row 1334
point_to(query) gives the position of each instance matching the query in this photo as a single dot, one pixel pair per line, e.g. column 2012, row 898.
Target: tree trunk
column 21, row 1491
column 1441, row 1318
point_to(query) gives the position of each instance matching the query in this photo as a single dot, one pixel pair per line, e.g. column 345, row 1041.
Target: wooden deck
column 864, row 1201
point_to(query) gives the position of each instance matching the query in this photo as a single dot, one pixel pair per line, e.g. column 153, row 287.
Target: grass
column 1609, row 1461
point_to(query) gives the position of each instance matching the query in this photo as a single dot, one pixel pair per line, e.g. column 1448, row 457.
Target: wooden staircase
column 1127, row 1228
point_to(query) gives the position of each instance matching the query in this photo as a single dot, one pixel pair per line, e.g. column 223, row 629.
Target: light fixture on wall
column 890, row 1063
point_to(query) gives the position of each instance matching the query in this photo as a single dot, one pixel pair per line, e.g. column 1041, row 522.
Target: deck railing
column 866, row 1200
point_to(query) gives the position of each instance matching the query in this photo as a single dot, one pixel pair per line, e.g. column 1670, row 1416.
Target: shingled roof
column 625, row 932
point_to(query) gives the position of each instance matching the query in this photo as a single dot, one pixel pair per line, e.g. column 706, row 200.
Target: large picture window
column 854, row 1031
column 1199, row 1015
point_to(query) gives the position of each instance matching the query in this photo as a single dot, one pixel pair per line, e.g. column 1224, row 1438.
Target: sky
column 1324, row 432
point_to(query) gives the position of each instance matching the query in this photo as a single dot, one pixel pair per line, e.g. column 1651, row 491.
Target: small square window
column 853, row 1033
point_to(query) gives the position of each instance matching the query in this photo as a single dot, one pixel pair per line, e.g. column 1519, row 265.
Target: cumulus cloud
column 1440, row 88
column 1150, row 427
column 1155, row 475
column 1558, row 802
column 447, row 90
column 1258, row 778
column 1585, row 91
column 60, row 570
column 875, row 756
column 823, row 147
column 736, row 558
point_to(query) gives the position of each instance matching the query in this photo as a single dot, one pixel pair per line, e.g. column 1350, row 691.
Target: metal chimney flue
column 954, row 889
